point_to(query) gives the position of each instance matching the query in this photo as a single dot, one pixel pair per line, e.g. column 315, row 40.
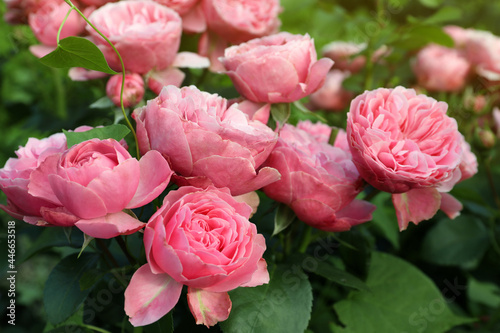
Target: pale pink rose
column 94, row 181
column 145, row 33
column 468, row 165
column 237, row 21
column 439, row 68
column 45, row 22
column 96, row 3
column 319, row 131
column 205, row 141
column 202, row 239
column 132, row 92
column 400, row 140
column 482, row 49
column 332, row 95
column 345, row 55
column 318, row 181
column 280, row 68
column 180, row 6
column 82, row 74
column 458, row 34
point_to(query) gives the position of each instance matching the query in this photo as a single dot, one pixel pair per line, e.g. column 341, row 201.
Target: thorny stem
column 129, row 124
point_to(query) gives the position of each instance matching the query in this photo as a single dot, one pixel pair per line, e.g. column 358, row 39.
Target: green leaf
column 62, row 295
column 418, row 36
column 444, row 14
column 384, row 218
column 460, row 242
column 77, row 52
column 282, row 306
column 486, row 293
column 280, row 113
column 283, row 218
column 116, row 132
column 431, row 3
column 401, row 299
column 327, row 270
column 86, row 241
column 90, row 278
column 102, row 103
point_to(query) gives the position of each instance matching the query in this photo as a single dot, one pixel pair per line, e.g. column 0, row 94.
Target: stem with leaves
column 129, row 124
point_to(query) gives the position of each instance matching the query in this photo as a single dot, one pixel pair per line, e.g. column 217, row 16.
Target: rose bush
column 205, row 141
column 202, row 239
column 280, row 68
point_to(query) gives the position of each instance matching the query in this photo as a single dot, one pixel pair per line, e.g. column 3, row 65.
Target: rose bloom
column 46, row 20
column 205, row 141
column 180, row 6
column 280, row 68
column 237, row 21
column 332, row 95
column 92, row 182
column 202, row 239
column 132, row 93
column 439, row 68
column 145, row 33
column 344, row 55
column 482, row 49
column 400, row 140
column 318, row 181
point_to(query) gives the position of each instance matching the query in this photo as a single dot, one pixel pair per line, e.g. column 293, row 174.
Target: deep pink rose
column 318, row 181
column 132, row 93
column 345, row 55
column 281, row 68
column 202, row 239
column 93, row 181
column 205, row 141
column 237, row 21
column 439, row 68
column 146, row 34
column 400, row 140
column 332, row 95
column 46, row 20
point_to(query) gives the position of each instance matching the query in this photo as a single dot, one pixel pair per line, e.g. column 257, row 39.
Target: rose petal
column 190, row 60
column 149, row 296
column 260, row 276
column 110, row 225
column 416, row 205
column 208, row 308
column 450, row 205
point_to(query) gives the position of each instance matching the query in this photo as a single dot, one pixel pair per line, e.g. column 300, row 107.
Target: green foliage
column 283, row 218
column 77, row 52
column 116, row 132
column 282, row 306
column 390, row 306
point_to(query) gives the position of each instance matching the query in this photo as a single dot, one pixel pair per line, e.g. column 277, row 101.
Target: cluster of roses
column 220, row 152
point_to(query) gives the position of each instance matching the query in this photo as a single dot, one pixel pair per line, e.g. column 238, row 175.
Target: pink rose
column 281, row 68
column 318, row 181
column 132, row 93
column 345, row 55
column 332, row 95
column 46, row 20
column 439, row 68
column 15, row 177
column 400, row 140
column 468, row 165
column 180, row 6
column 237, row 21
column 482, row 49
column 458, row 34
column 146, row 34
column 205, row 141
column 92, row 182
column 496, row 120
column 202, row 239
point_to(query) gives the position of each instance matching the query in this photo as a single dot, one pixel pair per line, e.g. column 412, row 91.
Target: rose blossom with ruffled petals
column 332, row 95
column 145, row 33
column 205, row 141
column 318, row 181
column 92, row 182
column 280, row 68
column 344, row 55
column 439, row 68
column 132, row 92
column 237, row 21
column 468, row 165
column 400, row 140
column 202, row 239
column 45, row 22
column 482, row 49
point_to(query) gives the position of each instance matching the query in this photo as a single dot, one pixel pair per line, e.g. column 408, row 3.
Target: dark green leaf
column 444, row 14
column 90, row 278
column 116, row 132
column 62, row 295
column 460, row 242
column 282, row 306
column 384, row 218
column 332, row 273
column 486, row 293
column 401, row 299
column 283, row 218
column 77, row 52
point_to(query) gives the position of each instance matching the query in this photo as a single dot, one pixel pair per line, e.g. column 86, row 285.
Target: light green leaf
column 486, row 293
column 116, row 132
column 102, row 103
column 77, row 52
column 282, row 306
column 62, row 295
column 280, row 113
column 401, row 299
column 459, row 242
column 431, row 3
column 283, row 218
column 444, row 14
column 418, row 36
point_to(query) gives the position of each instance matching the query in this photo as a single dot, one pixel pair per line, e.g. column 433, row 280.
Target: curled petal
column 260, row 276
column 110, row 225
column 416, row 205
column 208, row 308
column 450, row 205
